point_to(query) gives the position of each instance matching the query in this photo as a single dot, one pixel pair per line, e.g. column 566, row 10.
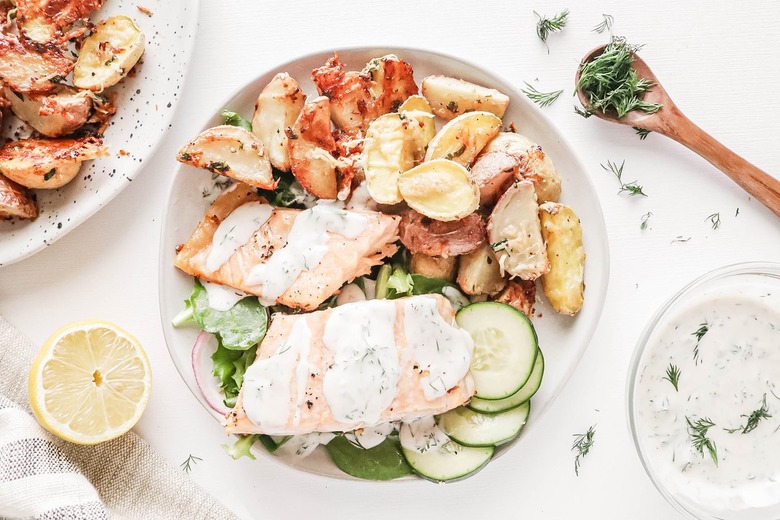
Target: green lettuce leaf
column 242, row 447
column 239, row 328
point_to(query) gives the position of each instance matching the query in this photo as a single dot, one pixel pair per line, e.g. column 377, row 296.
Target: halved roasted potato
column 53, row 114
column 45, row 21
column 416, row 102
column 463, row 138
column 450, row 97
column 515, row 234
column 422, row 128
column 16, row 201
column 387, row 152
column 420, row 234
column 494, row 172
column 31, row 68
column 536, row 166
column 434, row 266
column 47, row 163
column 564, row 284
column 276, row 110
column 520, row 294
column 439, row 189
column 231, row 151
column 311, row 145
column 393, row 83
column 108, row 54
column 479, row 272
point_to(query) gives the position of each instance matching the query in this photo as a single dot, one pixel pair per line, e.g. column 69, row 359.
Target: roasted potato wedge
column 564, row 284
column 108, row 54
column 439, row 189
column 311, row 145
column 54, row 114
column 416, row 102
column 394, row 83
column 27, row 68
column 420, row 234
column 276, row 110
column 231, row 151
column 45, row 21
column 515, row 234
column 434, row 266
column 535, row 165
column 450, row 97
column 16, row 201
column 47, row 163
column 493, row 172
column 387, row 153
column 463, row 138
column 520, row 294
column 479, row 273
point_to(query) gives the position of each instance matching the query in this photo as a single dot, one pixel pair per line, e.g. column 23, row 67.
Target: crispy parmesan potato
column 47, row 163
column 416, row 102
column 564, row 283
column 439, row 189
column 434, row 266
column 493, row 172
column 393, row 83
column 450, row 97
column 535, row 165
column 479, row 272
column 30, row 68
column 276, row 110
column 53, row 114
column 520, row 294
column 311, row 146
column 420, row 234
column 231, row 151
column 108, row 54
column 16, row 201
column 515, row 234
column 44, row 21
column 463, row 138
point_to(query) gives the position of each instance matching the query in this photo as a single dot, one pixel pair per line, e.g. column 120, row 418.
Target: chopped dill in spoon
column 611, row 84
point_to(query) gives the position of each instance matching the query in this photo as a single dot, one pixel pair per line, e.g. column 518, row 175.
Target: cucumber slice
column 505, row 347
column 513, row 401
column 472, row 428
column 449, row 462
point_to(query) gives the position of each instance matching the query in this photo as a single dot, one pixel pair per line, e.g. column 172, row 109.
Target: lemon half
column 90, row 382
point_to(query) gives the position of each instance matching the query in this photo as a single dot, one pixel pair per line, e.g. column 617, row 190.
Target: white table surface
column 718, row 60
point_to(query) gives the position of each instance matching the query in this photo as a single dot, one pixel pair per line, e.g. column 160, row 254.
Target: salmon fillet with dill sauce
column 297, row 258
column 354, row 366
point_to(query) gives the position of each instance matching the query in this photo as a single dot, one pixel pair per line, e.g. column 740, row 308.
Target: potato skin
column 311, row 145
column 16, row 200
column 479, row 272
column 276, row 109
column 450, row 97
column 434, row 266
column 564, row 284
column 54, row 114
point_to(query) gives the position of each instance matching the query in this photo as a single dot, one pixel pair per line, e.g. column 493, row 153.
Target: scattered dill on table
column 545, row 25
column 542, row 99
column 583, row 442
column 632, row 188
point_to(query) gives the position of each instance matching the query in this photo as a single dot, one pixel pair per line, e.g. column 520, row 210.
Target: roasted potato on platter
column 47, row 163
column 434, row 266
column 231, row 151
column 439, row 189
column 45, row 21
column 450, row 97
column 108, row 54
column 16, row 200
column 420, row 234
column 515, row 234
column 463, row 138
column 416, row 102
column 54, row 114
column 520, row 294
column 564, row 284
column 493, row 172
column 479, row 273
column 27, row 68
column 276, row 110
column 311, row 146
column 535, row 166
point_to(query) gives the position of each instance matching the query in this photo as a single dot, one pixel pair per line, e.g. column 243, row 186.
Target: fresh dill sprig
column 583, row 442
column 545, row 25
column 702, row 330
column 645, row 219
column 611, row 84
column 632, row 188
column 187, row 464
column 698, row 434
column 680, row 238
column 605, row 25
column 542, row 99
column 753, row 419
column 641, row 132
column 673, row 375
column 714, row 220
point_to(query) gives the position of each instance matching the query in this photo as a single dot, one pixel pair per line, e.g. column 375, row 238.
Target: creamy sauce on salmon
column 235, row 231
column 221, row 297
column 422, row 435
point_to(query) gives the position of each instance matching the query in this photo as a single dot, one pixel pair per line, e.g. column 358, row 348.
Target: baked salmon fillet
column 297, row 258
column 356, row 365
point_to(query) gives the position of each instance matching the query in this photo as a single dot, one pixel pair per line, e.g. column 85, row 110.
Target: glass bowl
column 664, row 437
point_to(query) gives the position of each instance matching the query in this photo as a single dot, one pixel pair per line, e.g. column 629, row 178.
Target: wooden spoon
column 671, row 122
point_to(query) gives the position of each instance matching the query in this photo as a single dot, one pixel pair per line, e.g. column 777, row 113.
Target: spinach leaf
column 239, row 328
column 234, row 119
column 383, row 462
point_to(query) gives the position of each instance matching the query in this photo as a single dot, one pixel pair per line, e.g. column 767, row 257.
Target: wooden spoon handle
column 754, row 180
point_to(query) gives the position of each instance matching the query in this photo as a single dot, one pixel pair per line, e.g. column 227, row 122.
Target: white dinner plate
column 563, row 339
column 145, row 102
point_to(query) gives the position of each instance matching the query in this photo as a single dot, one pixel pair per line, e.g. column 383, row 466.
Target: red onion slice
column 202, row 366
